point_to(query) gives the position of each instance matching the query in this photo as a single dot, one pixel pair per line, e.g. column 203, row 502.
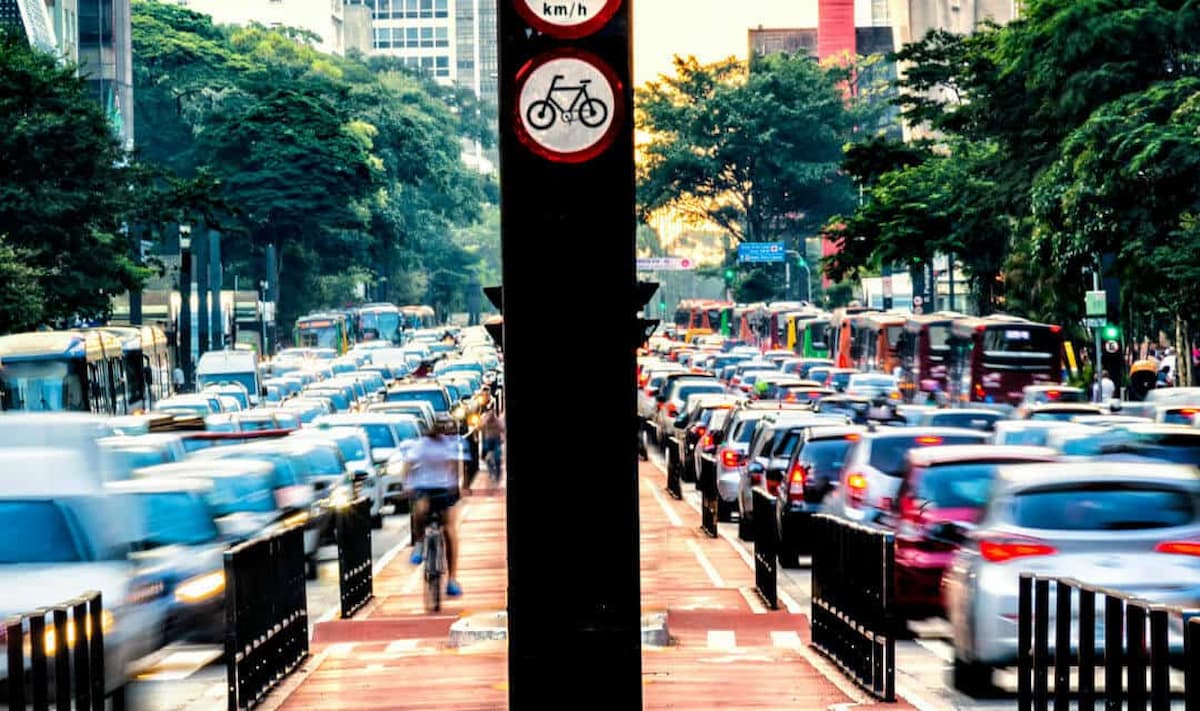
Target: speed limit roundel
column 567, row 19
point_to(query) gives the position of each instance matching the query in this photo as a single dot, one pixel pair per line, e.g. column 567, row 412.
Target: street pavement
column 727, row 650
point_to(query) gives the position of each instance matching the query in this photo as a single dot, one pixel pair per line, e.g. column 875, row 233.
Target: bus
column 924, row 354
column 55, row 371
column 795, row 321
column 775, row 323
column 379, row 322
column 813, row 339
column 148, row 354
column 746, row 318
column 705, row 316
column 993, row 359
column 880, row 336
column 323, row 330
column 844, row 325
column 418, row 316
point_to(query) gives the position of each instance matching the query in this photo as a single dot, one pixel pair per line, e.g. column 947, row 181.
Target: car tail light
column 791, row 397
column 1189, row 411
column 856, row 483
column 1002, row 551
column 926, row 441
column 1053, row 394
column 796, row 479
column 700, row 430
column 731, row 458
column 672, row 410
column 979, row 390
column 772, row 487
column 706, row 441
column 1179, row 547
column 852, row 437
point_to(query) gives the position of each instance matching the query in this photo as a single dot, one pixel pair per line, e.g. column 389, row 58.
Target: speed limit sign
column 918, row 301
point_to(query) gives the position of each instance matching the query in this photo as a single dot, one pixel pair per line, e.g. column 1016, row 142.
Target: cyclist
column 431, row 477
column 491, row 426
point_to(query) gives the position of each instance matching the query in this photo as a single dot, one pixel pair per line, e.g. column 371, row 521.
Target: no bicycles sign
column 567, row 19
column 569, row 105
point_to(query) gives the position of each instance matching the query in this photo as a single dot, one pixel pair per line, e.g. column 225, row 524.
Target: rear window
column 437, row 398
column 35, row 532
column 1060, row 396
column 825, row 456
column 887, row 453
column 1104, row 507
column 972, row 420
column 956, row 486
column 688, row 390
column 744, row 431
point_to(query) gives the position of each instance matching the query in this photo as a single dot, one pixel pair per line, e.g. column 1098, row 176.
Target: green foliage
column 21, row 295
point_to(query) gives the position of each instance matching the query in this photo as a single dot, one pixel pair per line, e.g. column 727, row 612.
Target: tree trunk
column 1179, row 358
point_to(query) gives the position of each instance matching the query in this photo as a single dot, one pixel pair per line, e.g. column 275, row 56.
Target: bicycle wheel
column 433, row 570
column 593, row 113
column 541, row 115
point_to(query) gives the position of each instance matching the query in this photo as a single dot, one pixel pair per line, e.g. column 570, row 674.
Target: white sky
column 709, row 29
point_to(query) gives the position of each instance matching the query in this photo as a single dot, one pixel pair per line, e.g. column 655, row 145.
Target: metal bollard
column 765, row 553
column 96, row 651
column 15, row 636
column 1087, row 649
column 1041, row 643
column 1160, row 660
column 1135, row 647
column 1062, row 646
column 79, row 655
column 1191, row 655
column 37, row 660
column 62, row 658
column 1114, row 658
column 1025, row 642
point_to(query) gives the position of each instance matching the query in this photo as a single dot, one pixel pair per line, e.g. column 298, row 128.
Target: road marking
column 938, row 648
column 402, row 646
column 341, row 649
column 786, row 639
column 666, row 507
column 713, row 575
column 722, row 639
column 181, row 664
column 753, row 600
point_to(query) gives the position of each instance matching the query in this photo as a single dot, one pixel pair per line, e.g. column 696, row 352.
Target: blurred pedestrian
column 491, row 427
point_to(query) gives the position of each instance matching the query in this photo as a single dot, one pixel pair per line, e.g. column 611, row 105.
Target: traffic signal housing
column 1110, row 339
column 729, row 275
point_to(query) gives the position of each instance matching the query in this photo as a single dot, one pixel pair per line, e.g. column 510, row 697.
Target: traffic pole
column 567, row 178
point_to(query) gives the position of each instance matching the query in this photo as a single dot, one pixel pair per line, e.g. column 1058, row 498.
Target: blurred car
column 970, row 418
column 307, row 409
column 674, row 399
column 387, row 434
column 237, row 391
column 730, row 458
column 64, row 535
column 423, row 411
column 195, row 404
column 839, row 378
column 125, row 454
column 1026, row 432
column 941, row 485
column 1033, row 395
column 1060, row 411
column 357, row 458
column 873, row 470
column 434, row 394
column 1126, row 527
column 811, row 474
column 1109, row 420
column 691, row 425
column 804, row 394
column 871, row 385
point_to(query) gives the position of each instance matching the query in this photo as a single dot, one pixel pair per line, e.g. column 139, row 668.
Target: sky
column 709, row 29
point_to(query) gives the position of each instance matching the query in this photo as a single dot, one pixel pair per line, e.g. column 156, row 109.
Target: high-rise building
column 418, row 31
column 323, row 18
column 476, row 46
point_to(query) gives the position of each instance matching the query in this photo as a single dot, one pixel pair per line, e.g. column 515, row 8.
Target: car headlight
column 458, row 412
column 50, row 642
column 201, row 587
column 473, row 421
column 340, row 498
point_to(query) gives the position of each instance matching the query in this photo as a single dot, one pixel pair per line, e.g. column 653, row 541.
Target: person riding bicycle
column 431, row 477
column 491, row 427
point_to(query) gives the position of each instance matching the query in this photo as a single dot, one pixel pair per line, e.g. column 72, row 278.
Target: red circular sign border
column 618, row 115
column 583, row 29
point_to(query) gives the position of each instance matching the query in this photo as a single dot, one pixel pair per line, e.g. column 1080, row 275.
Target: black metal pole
column 1135, row 643
column 79, row 655
column 185, row 308
column 1062, row 646
column 1025, row 642
column 1114, row 659
column 200, row 247
column 1160, row 660
column 1087, row 649
column 15, row 636
column 96, row 649
column 38, row 666
column 1041, row 643
column 62, row 658
column 216, row 283
column 1191, row 663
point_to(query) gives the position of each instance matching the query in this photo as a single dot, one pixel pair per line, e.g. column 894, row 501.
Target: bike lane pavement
column 727, row 650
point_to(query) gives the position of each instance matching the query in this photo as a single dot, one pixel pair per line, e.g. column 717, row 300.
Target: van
column 219, row 367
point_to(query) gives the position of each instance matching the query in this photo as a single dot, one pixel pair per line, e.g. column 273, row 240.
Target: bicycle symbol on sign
column 590, row 111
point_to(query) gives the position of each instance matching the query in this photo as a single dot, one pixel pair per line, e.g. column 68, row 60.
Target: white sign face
column 663, row 264
column 568, row 14
column 566, row 106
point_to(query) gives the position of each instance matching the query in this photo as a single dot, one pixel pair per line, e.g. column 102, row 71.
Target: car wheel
column 973, row 678
column 377, row 521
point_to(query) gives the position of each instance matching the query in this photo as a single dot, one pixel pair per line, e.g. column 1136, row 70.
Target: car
column 674, row 399
column 387, row 435
column 872, row 385
column 422, row 410
column 1109, row 420
column 1061, row 411
column 690, row 426
column 655, row 380
column 971, row 418
column 1027, row 432
column 189, row 404
column 730, row 457
column 804, row 394
column 64, row 535
column 307, row 409
column 872, row 473
column 431, row 392
column 811, row 473
column 1033, row 395
column 1123, row 526
column 126, row 454
column 768, row 454
column 235, row 390
column 358, row 459
column 939, row 486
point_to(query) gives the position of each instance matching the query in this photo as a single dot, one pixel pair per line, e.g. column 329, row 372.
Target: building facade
column 421, row 32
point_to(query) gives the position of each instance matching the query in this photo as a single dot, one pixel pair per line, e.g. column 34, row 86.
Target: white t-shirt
column 433, row 463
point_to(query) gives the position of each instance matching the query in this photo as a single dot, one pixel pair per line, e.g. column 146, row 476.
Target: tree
column 754, row 150
column 65, row 186
column 21, row 307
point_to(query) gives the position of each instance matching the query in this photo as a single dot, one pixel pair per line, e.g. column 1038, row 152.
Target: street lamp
column 787, row 275
column 184, row 354
column 262, row 315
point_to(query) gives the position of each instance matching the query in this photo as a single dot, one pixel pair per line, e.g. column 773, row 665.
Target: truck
column 230, row 366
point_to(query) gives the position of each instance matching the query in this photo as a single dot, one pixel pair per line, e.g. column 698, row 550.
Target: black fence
column 65, row 659
column 1140, row 645
column 356, row 585
column 709, row 501
column 853, row 615
column 266, row 614
column 766, row 547
column 674, row 472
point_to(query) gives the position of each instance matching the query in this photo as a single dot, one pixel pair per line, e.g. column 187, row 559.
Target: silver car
column 1128, row 526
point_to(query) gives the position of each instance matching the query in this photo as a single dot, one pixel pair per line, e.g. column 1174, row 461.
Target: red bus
column 925, row 353
column 992, row 359
column 880, row 349
column 776, row 336
column 711, row 314
column 844, row 325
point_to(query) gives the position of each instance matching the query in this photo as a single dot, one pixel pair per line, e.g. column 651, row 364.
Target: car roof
column 206, row 467
column 834, row 431
column 957, row 453
column 160, row 485
column 1023, row 476
column 922, row 431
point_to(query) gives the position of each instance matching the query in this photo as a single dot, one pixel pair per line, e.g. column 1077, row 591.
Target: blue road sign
column 761, row 252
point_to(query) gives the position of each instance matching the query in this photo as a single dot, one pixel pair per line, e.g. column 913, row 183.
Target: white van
column 217, row 367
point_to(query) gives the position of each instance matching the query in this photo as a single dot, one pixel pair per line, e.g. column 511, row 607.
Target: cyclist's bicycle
column 590, row 111
column 435, row 558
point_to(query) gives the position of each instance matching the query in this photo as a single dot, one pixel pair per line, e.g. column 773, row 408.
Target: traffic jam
column 138, row 495
column 956, row 433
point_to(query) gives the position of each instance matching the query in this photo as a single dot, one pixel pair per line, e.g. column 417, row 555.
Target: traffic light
column 1110, row 339
column 729, row 274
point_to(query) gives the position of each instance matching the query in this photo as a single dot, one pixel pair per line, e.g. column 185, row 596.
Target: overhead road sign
column 761, row 252
column 664, row 264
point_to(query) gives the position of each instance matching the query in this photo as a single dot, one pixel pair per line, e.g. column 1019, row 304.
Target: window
column 410, row 8
column 441, row 8
column 383, row 37
column 442, row 37
column 426, row 8
column 412, row 37
column 443, row 66
column 1104, row 507
column 426, row 38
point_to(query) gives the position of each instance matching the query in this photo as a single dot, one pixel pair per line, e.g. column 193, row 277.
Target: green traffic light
column 1111, row 332
column 729, row 274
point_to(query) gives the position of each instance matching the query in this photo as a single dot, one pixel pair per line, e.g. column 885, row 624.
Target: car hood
column 45, row 584
column 382, row 454
column 180, row 562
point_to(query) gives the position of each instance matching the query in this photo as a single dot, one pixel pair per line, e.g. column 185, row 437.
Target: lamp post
column 185, row 301
column 262, row 315
column 787, row 275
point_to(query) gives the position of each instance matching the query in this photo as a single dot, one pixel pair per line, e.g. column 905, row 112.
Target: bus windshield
column 324, row 335
column 40, row 386
column 380, row 324
column 1018, row 347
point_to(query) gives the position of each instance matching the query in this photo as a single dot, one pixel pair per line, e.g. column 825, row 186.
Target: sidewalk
column 727, row 650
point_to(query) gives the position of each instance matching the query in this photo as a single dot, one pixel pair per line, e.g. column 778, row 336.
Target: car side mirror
column 955, row 532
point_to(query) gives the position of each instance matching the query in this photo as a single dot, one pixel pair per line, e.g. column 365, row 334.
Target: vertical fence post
column 96, row 651
column 79, row 655
column 232, row 648
column 1062, row 645
column 1114, row 657
column 37, row 661
column 15, row 636
column 1191, row 660
column 1135, row 641
column 1041, row 643
column 62, row 658
column 1160, row 660
column 888, row 621
column 1025, row 642
column 1087, row 649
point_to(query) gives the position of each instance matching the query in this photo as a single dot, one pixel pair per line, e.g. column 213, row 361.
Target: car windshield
column 1033, row 436
column 407, row 430
column 240, row 494
column 825, row 456
column 955, row 486
column 887, row 453
column 40, row 385
column 351, row 448
column 1053, row 416
column 840, row 380
column 1103, row 507
column 36, row 532
column 176, row 518
column 685, row 391
column 437, row 398
column 744, row 431
column 323, row 461
column 379, row 435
